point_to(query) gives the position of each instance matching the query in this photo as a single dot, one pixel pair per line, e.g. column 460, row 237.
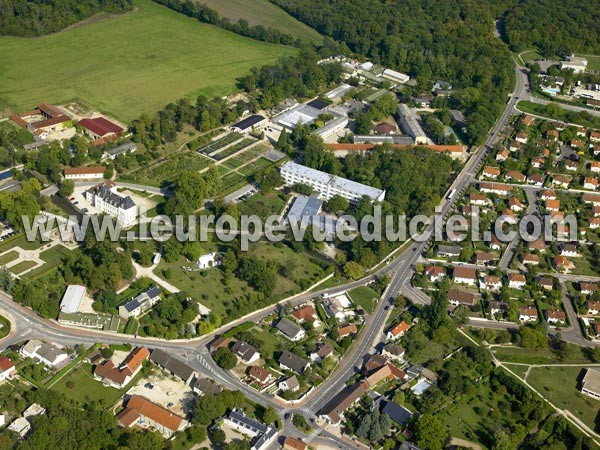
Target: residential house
column 537, row 245
column 173, row 365
column 552, row 135
column 514, row 146
column 530, row 260
column 33, row 410
column 119, row 376
column 483, row 258
column 247, row 353
column 21, row 426
column 333, row 412
column 290, row 330
column 588, row 288
column 528, row 314
column 291, row 361
column 515, row 204
column 548, row 194
column 397, row 331
column 289, row 384
column 7, row 369
column 291, row 443
column 561, row 181
column 203, row 386
column 397, row 413
column 393, row 351
column 48, row 354
column 465, row 275
column 346, row 330
column 591, row 199
column 495, row 188
column 490, row 282
column 590, row 183
column 498, row 308
column 552, row 205
column 538, row 163
column 516, row 281
column 571, row 166
column 516, row 176
column 219, row 342
column 555, row 316
column 522, row 137
column 448, row 251
column 479, row 200
column 435, row 273
column 561, row 263
column 577, row 143
column 546, row 283
column 595, row 136
column 338, row 306
column 323, row 352
column 502, row 155
column 593, row 308
column 490, row 172
column 535, row 180
column 306, row 313
column 528, row 120
column 595, row 166
column 569, row 250
column 143, row 413
column 594, row 223
column 260, row 375
column 457, row 297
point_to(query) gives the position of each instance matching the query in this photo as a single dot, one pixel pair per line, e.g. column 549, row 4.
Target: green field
column 559, row 385
column 8, row 257
column 593, row 61
column 129, row 64
column 365, row 297
column 265, row 13
column 22, row 267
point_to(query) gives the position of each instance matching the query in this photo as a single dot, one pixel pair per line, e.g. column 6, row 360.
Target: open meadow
column 129, row 64
column 265, row 13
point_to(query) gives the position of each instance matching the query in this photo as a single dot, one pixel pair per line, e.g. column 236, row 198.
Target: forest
column 555, row 28
column 28, row 18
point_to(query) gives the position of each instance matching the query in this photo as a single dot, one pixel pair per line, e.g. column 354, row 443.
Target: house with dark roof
column 397, row 413
column 393, row 351
column 323, row 352
column 105, row 198
column 173, row 365
column 141, row 303
column 203, row 386
column 291, row 361
column 254, row 121
column 262, row 435
column 290, row 330
column 333, row 411
column 245, row 352
column 289, row 384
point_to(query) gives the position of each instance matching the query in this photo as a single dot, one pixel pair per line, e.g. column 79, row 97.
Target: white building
column 576, row 64
column 39, row 351
column 332, row 127
column 209, row 260
column 21, row 426
column 591, row 383
column 71, row 301
column 83, row 173
column 409, row 123
column 392, row 75
column 105, row 198
column 252, row 428
column 140, row 304
column 328, row 185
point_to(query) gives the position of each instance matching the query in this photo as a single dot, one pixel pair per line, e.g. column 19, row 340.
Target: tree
column 337, row 204
column 217, row 436
column 66, row 188
column 353, row 271
column 430, row 432
column 270, row 415
column 225, row 358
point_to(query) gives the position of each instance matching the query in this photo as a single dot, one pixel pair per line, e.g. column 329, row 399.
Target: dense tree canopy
column 39, row 17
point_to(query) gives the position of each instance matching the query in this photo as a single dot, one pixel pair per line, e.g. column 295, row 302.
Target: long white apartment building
column 328, row 185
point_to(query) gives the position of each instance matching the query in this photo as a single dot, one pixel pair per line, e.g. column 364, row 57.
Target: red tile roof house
column 397, row 331
column 347, row 329
column 435, row 273
column 516, row 281
column 490, row 172
column 144, row 413
column 587, row 288
column 465, row 275
column 100, row 127
column 118, row 377
column 306, row 313
column 7, row 369
column 555, row 316
column 260, row 375
column 593, row 308
column 528, row 314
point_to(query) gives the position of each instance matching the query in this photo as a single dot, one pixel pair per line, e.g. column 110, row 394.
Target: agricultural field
column 265, row 13
column 149, row 57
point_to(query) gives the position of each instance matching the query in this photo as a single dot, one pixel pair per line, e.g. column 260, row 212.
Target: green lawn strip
column 22, row 267
column 4, row 327
column 8, row 257
column 560, row 386
column 20, row 241
column 169, row 56
column 365, row 297
column 62, row 372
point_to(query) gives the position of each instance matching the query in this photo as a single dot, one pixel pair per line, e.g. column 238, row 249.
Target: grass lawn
column 271, row 343
column 365, row 297
column 53, row 257
column 4, row 327
column 263, row 12
column 165, row 172
column 543, row 356
column 518, row 369
column 129, row 64
column 22, row 267
column 263, row 205
column 19, row 241
column 593, row 61
column 82, row 387
column 8, row 257
column 223, row 296
column 530, row 56
column 559, row 385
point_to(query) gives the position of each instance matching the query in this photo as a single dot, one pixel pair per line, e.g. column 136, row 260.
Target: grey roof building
column 290, row 330
column 245, row 351
column 172, row 365
column 291, row 361
column 127, row 147
column 397, row 413
column 409, row 123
